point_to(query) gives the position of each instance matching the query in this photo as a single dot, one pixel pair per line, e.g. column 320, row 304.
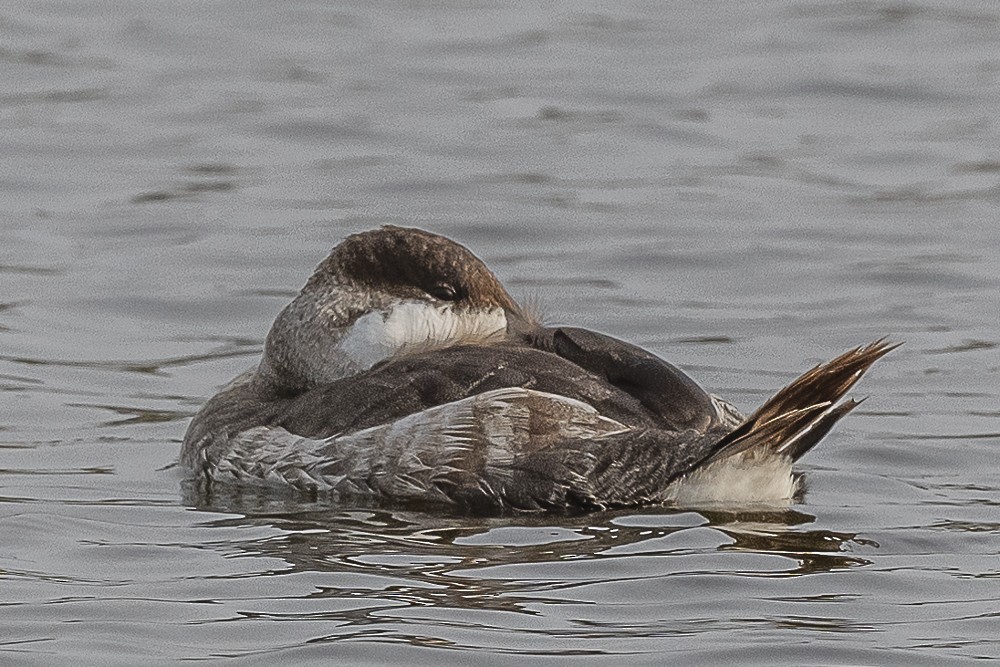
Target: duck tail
column 796, row 418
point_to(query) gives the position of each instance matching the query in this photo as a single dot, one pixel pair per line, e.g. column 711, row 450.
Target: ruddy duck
column 405, row 372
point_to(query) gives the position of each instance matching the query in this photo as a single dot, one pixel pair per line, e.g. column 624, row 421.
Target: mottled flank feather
column 474, row 449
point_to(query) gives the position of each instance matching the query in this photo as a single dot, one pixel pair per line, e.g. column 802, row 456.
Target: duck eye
column 443, row 292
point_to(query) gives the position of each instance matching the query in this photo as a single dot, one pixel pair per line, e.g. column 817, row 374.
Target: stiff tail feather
column 792, row 421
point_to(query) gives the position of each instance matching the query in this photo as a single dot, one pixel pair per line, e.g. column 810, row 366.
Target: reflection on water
column 231, row 348
column 814, row 550
column 459, row 561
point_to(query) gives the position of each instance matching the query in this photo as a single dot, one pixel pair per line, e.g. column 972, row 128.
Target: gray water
column 744, row 188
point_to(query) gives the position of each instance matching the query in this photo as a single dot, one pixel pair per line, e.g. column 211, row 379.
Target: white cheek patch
column 417, row 325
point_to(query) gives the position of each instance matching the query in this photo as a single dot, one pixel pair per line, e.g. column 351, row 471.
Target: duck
column 405, row 373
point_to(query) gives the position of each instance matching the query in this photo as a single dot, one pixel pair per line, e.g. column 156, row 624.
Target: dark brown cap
column 410, row 262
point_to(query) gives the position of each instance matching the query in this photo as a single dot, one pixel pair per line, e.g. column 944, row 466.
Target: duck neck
column 302, row 348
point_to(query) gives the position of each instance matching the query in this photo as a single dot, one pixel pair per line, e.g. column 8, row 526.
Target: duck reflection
column 517, row 563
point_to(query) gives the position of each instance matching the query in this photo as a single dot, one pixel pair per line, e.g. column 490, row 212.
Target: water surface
column 746, row 189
